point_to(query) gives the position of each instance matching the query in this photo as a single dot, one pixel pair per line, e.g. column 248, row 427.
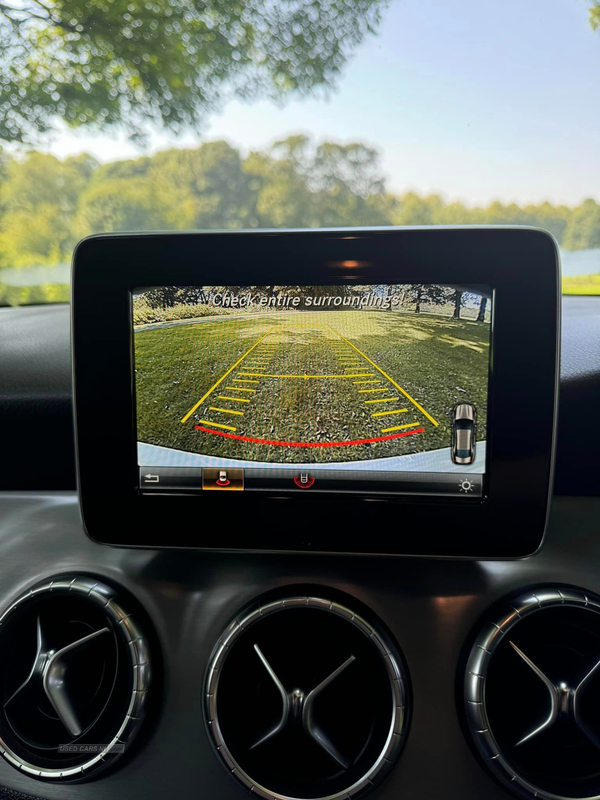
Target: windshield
column 169, row 115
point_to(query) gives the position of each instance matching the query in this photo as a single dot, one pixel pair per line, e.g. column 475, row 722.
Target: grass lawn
column 581, row 284
column 370, row 374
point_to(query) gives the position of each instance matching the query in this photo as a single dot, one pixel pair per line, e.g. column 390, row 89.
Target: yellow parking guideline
column 387, row 413
column 386, row 400
column 401, row 427
column 366, row 391
column 391, row 380
column 239, row 389
column 234, row 399
column 226, row 410
column 217, row 425
column 357, row 383
column 305, row 377
column 229, row 371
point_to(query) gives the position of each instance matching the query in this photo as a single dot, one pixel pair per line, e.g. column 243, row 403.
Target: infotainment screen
column 360, row 391
column 371, row 389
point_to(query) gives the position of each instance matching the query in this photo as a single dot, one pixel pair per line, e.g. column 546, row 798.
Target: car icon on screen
column 464, row 428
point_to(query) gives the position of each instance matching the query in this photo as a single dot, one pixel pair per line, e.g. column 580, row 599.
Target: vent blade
column 552, row 691
column 285, row 703
column 54, row 682
column 312, row 729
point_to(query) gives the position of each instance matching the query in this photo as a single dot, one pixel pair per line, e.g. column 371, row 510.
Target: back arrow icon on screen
column 151, row 478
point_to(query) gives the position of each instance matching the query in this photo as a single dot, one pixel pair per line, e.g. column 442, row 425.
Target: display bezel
column 509, row 522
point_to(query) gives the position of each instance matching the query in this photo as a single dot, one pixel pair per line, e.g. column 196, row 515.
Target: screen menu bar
column 289, row 480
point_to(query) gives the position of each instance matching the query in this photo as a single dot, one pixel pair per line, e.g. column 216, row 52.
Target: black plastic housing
column 520, row 264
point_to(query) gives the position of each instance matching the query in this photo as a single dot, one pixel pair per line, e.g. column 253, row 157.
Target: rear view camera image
column 387, row 377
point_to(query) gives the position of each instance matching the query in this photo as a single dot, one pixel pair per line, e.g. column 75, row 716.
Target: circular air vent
column 305, row 699
column 533, row 694
column 74, row 677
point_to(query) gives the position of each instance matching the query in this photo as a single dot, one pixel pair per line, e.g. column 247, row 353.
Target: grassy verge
column 34, row 295
column 581, row 284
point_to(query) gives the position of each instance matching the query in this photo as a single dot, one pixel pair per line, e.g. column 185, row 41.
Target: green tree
column 299, row 185
column 595, row 15
column 583, row 229
column 425, row 293
column 346, row 179
column 134, row 63
column 277, row 179
column 551, row 218
column 39, row 198
column 46, row 204
column 457, row 214
column 121, row 205
column 199, row 188
column 204, row 187
column 415, row 210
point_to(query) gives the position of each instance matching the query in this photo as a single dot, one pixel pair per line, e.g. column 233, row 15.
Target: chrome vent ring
column 74, row 679
column 532, row 683
column 301, row 664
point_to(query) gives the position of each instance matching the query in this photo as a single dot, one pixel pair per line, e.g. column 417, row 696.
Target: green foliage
column 39, row 198
column 47, row 204
column 121, row 205
column 595, row 14
column 204, row 188
column 33, row 295
column 584, row 227
column 144, row 313
column 134, row 63
column 302, row 186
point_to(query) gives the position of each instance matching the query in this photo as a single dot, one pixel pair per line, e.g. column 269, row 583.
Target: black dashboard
column 428, row 615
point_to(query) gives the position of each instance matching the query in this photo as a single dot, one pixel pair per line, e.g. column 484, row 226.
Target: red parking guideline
column 309, row 444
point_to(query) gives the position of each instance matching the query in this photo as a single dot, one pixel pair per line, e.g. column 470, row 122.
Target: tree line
column 48, row 204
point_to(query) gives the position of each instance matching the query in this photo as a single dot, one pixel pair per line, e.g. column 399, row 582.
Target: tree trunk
column 457, row 302
column 482, row 309
column 418, row 306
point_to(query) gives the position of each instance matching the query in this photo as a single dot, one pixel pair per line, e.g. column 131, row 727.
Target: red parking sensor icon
column 304, row 480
